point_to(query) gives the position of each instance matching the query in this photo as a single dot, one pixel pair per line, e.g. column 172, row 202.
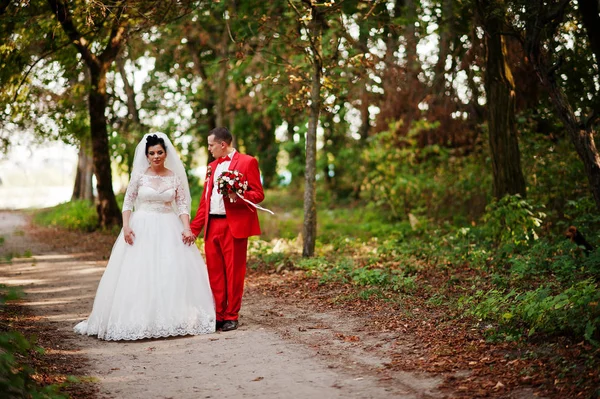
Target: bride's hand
column 129, row 235
column 188, row 237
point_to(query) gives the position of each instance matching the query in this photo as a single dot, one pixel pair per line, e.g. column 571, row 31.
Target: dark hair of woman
column 153, row 140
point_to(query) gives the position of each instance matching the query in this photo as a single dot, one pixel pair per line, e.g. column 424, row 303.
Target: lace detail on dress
column 155, row 206
column 132, row 192
column 202, row 324
column 181, row 201
column 152, row 193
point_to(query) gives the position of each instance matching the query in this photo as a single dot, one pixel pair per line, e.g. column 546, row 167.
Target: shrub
column 74, row 215
column 572, row 311
column 16, row 378
column 512, row 220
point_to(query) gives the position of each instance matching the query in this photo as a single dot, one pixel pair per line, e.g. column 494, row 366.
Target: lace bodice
column 156, row 194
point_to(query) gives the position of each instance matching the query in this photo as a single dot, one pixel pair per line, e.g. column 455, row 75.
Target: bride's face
column 157, row 155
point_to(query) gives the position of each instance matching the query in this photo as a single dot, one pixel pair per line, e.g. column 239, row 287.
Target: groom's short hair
column 221, row 134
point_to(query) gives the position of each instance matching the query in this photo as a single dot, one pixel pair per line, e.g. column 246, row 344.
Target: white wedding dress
column 157, row 287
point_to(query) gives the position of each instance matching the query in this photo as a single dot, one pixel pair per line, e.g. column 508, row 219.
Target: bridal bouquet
column 231, row 182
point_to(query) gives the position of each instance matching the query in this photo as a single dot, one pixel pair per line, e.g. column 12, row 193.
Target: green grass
column 74, row 215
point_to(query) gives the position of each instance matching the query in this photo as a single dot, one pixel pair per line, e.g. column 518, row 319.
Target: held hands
column 188, row 237
column 129, row 235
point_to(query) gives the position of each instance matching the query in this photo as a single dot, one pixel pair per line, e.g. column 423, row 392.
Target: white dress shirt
column 217, row 206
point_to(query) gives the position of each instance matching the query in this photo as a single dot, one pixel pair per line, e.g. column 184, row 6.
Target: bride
column 156, row 282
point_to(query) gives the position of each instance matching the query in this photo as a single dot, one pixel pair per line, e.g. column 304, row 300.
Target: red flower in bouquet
column 231, row 182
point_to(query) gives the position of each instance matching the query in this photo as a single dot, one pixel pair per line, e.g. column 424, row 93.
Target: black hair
column 153, row 140
column 221, row 134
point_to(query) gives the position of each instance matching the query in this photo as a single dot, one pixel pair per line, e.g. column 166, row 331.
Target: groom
column 227, row 224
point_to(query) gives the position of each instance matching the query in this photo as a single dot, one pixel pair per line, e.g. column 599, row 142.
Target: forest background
column 441, row 151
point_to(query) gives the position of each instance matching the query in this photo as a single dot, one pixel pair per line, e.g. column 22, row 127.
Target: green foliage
column 74, row 215
column 563, row 260
column 386, row 278
column 433, row 182
column 9, row 293
column 572, row 311
column 581, row 212
column 512, row 220
column 536, row 280
column 16, row 378
column 344, row 270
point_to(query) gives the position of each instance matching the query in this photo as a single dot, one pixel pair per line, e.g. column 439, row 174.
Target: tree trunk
column 129, row 92
column 445, row 34
column 582, row 136
column 109, row 213
column 581, row 133
column 365, row 115
column 310, row 186
column 413, row 87
column 195, row 47
column 476, row 111
column 134, row 130
column 221, row 103
column 504, row 145
column 82, row 189
column 267, row 152
column 413, row 66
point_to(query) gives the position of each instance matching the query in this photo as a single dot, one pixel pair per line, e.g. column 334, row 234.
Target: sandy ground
column 279, row 351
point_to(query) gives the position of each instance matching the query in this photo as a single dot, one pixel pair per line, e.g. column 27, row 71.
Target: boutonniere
column 208, row 172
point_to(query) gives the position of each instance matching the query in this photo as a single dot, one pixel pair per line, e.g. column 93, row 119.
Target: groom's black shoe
column 219, row 324
column 229, row 325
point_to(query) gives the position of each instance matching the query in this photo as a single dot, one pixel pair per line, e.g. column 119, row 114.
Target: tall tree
column 504, row 144
column 98, row 65
column 542, row 21
column 314, row 33
column 82, row 188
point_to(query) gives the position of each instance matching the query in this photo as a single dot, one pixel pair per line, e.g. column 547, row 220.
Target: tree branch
column 375, row 3
column 33, row 66
column 590, row 120
column 300, row 17
column 311, row 39
column 60, row 10
column 117, row 36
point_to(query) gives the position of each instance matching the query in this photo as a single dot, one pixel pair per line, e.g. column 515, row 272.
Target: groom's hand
column 188, row 237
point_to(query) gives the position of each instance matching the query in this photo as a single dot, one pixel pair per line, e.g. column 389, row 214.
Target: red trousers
column 226, row 263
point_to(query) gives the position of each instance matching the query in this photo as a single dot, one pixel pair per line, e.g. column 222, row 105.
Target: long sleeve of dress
column 181, row 200
column 131, row 193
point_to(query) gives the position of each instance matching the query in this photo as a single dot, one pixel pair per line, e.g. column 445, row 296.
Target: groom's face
column 217, row 148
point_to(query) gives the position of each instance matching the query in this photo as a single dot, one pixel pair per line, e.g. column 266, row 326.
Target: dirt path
column 280, row 351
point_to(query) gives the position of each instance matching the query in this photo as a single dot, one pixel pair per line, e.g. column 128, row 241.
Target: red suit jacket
column 241, row 216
